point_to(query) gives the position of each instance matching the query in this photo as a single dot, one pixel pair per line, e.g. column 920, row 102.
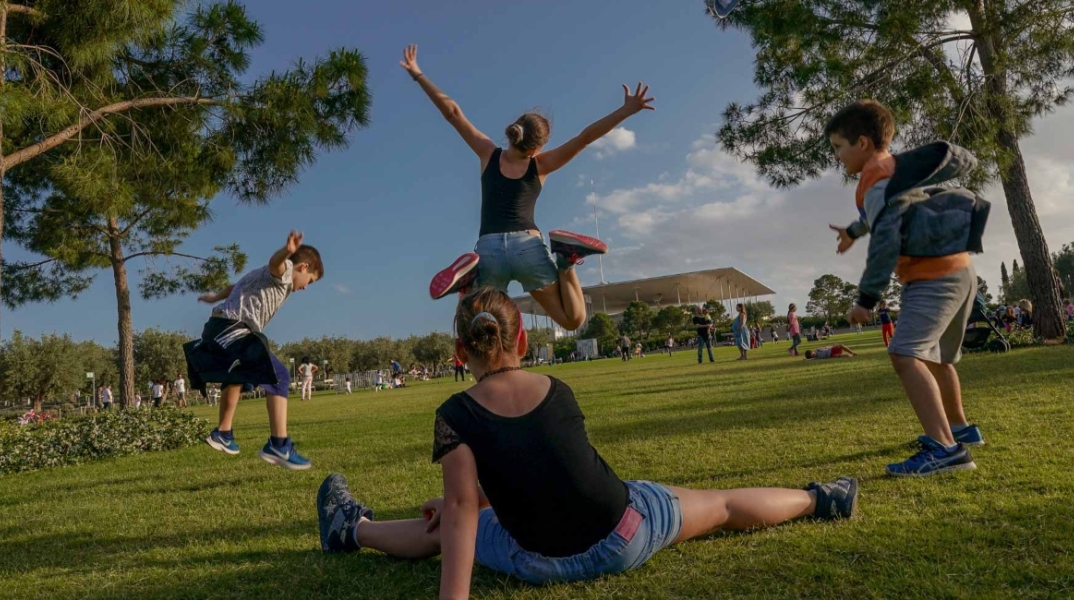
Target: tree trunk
column 3, row 78
column 1043, row 284
column 123, row 304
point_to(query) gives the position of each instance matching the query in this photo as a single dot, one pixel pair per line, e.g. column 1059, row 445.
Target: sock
column 952, row 447
column 562, row 263
column 354, row 531
column 958, row 428
column 278, row 442
column 227, row 435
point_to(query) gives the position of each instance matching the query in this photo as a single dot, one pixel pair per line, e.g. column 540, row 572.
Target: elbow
column 461, row 504
column 451, row 112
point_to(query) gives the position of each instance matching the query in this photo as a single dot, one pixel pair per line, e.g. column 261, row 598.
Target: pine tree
column 1004, row 282
column 174, row 119
column 84, row 77
column 978, row 86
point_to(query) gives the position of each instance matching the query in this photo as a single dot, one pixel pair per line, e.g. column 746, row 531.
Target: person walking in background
column 106, row 397
column 180, row 391
column 670, row 344
column 624, row 347
column 794, row 329
column 741, row 331
column 887, row 327
column 703, row 322
column 158, row 393
column 460, row 373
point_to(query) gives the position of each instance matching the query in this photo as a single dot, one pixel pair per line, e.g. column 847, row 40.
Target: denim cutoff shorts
column 517, row 256
column 652, row 521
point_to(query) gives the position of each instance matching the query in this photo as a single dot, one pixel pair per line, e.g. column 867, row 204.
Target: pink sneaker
column 456, row 278
column 574, row 247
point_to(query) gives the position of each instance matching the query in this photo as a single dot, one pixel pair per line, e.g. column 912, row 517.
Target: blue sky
column 404, row 199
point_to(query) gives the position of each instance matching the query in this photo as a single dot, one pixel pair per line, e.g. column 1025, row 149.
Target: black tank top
column 507, row 204
column 550, row 488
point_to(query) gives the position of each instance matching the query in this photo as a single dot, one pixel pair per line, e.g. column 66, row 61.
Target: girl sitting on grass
column 525, row 493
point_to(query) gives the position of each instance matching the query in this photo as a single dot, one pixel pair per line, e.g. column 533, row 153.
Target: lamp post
column 292, row 368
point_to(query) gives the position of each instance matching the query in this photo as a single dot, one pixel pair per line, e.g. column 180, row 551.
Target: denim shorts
column 517, row 256
column 933, row 315
column 651, row 522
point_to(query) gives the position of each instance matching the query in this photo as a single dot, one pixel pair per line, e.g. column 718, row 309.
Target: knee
column 903, row 364
column 573, row 322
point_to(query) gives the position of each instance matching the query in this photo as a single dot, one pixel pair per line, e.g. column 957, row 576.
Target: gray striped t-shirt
column 257, row 296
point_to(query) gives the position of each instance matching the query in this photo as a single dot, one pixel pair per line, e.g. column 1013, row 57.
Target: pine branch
column 137, row 219
column 23, row 266
column 16, row 158
column 159, row 253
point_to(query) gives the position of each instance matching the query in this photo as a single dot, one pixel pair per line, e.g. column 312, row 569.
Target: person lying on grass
column 833, row 351
column 525, row 493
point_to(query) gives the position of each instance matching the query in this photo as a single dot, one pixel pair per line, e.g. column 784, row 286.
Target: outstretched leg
column 708, row 511
column 402, row 539
column 346, row 526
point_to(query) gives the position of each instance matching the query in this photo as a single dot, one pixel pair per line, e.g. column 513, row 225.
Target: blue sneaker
column 338, row 514
column 217, row 442
column 287, row 457
column 835, row 500
column 970, row 436
column 933, row 458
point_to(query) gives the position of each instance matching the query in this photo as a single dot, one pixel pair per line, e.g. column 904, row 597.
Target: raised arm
column 278, row 263
column 458, row 525
column 478, row 142
column 556, row 158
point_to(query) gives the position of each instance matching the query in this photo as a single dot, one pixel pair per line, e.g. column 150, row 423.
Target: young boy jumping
column 938, row 291
column 232, row 350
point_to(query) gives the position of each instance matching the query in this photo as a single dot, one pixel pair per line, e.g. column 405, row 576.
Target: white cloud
column 616, row 140
column 717, row 213
column 342, row 289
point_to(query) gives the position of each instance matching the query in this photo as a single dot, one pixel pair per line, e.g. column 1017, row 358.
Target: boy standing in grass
column 938, row 290
column 232, row 350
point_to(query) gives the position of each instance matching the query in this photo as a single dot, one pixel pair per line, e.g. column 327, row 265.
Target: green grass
column 196, row 523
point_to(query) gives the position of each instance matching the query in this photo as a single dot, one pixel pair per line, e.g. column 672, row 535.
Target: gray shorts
column 933, row 316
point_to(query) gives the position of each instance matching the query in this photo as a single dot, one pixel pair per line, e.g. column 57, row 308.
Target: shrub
column 104, row 435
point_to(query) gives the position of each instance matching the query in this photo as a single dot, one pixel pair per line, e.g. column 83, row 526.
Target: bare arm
column 278, row 263
column 214, row 297
column 458, row 523
column 556, row 158
column 478, row 141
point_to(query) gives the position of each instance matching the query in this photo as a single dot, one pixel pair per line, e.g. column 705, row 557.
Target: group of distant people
column 159, row 391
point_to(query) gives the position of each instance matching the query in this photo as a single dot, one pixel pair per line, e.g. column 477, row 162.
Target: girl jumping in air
column 510, row 246
column 526, row 494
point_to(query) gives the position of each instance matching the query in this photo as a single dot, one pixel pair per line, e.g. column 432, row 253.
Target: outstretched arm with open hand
column 478, row 141
column 633, row 103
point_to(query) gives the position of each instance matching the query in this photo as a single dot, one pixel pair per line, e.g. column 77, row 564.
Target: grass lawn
column 197, row 523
